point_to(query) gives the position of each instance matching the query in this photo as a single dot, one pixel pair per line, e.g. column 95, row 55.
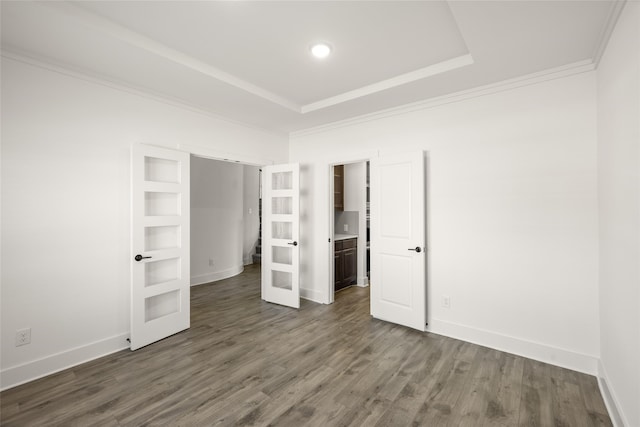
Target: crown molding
column 138, row 40
column 101, row 80
column 542, row 76
column 614, row 13
column 422, row 73
column 133, row 38
column 526, row 80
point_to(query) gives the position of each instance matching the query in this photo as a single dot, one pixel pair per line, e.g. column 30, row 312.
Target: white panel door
column 398, row 259
column 280, row 233
column 159, row 244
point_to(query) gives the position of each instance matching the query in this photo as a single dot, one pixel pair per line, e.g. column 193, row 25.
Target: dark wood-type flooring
column 247, row 362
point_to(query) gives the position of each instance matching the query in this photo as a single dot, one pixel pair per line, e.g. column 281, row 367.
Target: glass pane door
column 281, row 246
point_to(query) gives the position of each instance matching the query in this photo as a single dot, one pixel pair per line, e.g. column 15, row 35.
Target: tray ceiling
column 250, row 61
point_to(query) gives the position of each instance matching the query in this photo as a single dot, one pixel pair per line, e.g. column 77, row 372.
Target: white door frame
column 330, row 288
column 329, row 297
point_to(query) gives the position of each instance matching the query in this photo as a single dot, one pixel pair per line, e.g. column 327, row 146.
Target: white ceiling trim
column 135, row 39
column 539, row 77
column 614, row 13
column 526, row 80
column 87, row 76
column 432, row 70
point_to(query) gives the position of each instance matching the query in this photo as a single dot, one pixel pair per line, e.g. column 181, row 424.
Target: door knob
column 417, row 249
column 140, row 257
column 293, row 243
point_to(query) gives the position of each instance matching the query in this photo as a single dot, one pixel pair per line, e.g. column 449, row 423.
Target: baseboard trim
column 617, row 417
column 218, row 275
column 542, row 352
column 311, row 295
column 363, row 282
column 30, row 371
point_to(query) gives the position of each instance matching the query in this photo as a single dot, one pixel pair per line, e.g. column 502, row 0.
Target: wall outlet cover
column 446, row 301
column 23, row 337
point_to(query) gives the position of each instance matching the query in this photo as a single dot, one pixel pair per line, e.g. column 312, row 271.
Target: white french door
column 159, row 244
column 280, row 234
column 398, row 258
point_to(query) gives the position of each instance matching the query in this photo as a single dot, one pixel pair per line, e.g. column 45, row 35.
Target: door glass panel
column 161, row 170
column 281, row 279
column 164, row 237
column 281, row 205
column 157, row 272
column 281, row 255
column 161, row 204
column 161, row 305
column 281, row 230
column 282, row 181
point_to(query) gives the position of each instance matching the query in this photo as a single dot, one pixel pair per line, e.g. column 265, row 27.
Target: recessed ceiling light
column 320, row 50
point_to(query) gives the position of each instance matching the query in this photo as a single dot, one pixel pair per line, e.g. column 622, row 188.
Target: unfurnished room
column 320, row 213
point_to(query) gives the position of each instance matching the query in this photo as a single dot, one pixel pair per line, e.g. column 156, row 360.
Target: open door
column 280, row 234
column 159, row 244
column 398, row 259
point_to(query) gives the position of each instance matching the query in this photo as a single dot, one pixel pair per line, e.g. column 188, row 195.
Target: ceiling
column 250, row 61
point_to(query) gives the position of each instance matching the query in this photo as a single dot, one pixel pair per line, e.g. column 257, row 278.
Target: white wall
column 65, row 208
column 619, row 214
column 217, row 223
column 251, row 214
column 512, row 214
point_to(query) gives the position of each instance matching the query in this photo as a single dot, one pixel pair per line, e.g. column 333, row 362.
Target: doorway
column 349, row 226
column 225, row 218
column 397, row 234
column 398, row 243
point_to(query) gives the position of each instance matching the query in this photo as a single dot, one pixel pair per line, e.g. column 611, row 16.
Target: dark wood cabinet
column 350, row 265
column 346, row 263
column 339, row 269
column 338, row 187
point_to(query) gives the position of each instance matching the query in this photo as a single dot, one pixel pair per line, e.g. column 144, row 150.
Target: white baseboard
column 248, row 260
column 29, row 371
column 611, row 402
column 217, row 275
column 312, row 295
column 544, row 353
column 363, row 281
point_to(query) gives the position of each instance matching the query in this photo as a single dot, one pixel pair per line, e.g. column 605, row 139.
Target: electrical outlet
column 23, row 337
column 210, row 262
column 446, row 301
column 346, row 227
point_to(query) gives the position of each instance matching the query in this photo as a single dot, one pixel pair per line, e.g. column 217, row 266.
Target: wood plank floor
column 247, row 362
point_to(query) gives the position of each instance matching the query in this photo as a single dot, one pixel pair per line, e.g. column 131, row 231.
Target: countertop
column 337, row 237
